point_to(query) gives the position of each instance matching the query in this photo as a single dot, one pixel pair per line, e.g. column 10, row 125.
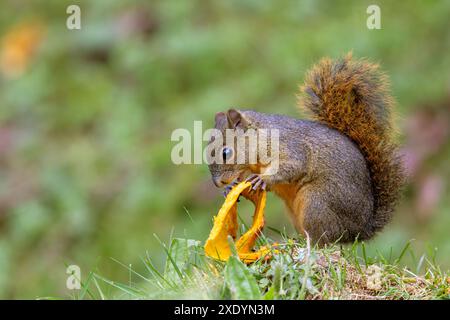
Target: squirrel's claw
column 257, row 182
column 230, row 186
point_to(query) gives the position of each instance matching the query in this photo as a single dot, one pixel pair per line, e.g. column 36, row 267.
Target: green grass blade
column 240, row 281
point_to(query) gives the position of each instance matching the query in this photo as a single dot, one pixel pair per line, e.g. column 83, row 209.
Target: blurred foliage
column 86, row 118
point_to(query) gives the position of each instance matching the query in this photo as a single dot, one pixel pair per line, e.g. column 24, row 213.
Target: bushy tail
column 353, row 97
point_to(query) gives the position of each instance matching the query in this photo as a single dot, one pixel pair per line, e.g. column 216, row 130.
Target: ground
column 294, row 270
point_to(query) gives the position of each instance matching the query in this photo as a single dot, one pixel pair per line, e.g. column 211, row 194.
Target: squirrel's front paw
column 228, row 188
column 257, row 182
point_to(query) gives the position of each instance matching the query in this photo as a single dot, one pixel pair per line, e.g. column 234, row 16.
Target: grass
column 294, row 270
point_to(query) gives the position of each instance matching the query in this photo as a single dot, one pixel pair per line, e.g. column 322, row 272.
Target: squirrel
column 340, row 173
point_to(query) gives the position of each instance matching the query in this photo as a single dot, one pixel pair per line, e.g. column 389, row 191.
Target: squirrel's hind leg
column 312, row 214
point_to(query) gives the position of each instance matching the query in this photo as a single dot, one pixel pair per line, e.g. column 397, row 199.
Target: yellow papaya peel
column 225, row 224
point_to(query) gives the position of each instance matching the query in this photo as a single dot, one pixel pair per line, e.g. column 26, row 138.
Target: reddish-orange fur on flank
column 294, row 202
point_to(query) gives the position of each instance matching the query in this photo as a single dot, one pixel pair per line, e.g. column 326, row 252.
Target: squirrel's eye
column 227, row 153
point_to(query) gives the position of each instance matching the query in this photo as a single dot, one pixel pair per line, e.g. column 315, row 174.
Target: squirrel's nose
column 217, row 181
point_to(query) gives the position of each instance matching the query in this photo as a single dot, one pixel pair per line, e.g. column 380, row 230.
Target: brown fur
column 352, row 96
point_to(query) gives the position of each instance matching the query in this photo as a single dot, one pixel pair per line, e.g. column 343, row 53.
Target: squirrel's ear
column 236, row 119
column 221, row 120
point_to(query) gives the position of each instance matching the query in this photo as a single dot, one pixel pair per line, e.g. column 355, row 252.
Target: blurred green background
column 86, row 118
